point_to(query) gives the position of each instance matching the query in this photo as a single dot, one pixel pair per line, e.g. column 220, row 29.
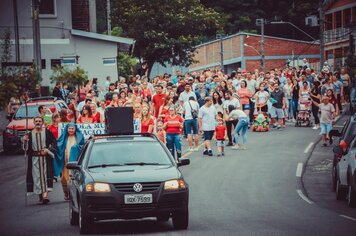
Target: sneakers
column 315, row 127
column 210, row 153
column 230, row 144
column 243, row 147
column 189, row 149
column 195, row 149
column 236, row 147
column 205, row 152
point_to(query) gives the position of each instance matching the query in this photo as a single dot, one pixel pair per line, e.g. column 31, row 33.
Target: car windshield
column 127, row 153
column 32, row 111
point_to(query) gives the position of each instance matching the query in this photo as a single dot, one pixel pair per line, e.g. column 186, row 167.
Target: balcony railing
column 336, row 34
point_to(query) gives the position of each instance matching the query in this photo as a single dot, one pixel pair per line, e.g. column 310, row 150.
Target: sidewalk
column 317, row 178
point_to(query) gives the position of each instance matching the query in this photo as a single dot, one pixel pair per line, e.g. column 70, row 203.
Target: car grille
column 138, row 207
column 146, row 187
column 20, row 133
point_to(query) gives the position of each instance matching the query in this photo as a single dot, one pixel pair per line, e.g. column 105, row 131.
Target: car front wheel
column 351, row 196
column 85, row 221
column 74, row 216
column 340, row 192
column 180, row 219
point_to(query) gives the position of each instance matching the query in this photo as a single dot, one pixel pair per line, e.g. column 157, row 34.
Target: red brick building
column 243, row 51
column 339, row 15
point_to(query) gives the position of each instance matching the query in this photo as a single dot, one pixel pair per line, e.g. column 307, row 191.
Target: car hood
column 20, row 124
column 130, row 174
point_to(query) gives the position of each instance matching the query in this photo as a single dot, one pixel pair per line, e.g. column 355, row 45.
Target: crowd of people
column 209, row 105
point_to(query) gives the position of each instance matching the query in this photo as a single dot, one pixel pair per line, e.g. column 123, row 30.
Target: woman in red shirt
column 173, row 124
column 54, row 126
column 147, row 122
column 96, row 114
column 163, row 110
column 245, row 94
column 87, row 117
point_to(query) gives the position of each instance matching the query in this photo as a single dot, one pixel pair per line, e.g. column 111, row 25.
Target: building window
column 48, row 8
column 55, row 63
column 43, row 64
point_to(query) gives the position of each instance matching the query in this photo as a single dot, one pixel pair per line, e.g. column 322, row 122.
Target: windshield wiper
column 104, row 165
column 143, row 164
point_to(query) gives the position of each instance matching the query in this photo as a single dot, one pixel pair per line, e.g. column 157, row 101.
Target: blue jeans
column 295, row 107
column 290, row 108
column 242, row 126
column 173, row 143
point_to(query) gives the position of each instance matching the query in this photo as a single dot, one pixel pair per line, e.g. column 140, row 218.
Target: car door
column 76, row 179
column 342, row 167
column 351, row 160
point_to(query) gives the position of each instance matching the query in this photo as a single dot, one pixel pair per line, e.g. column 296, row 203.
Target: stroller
column 260, row 123
column 304, row 114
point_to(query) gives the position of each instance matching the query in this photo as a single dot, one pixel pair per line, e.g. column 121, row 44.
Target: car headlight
column 9, row 131
column 175, row 184
column 98, row 188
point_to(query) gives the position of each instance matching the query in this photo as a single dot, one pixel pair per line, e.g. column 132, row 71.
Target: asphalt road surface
column 247, row 192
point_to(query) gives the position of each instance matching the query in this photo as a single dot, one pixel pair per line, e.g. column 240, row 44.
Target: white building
column 68, row 33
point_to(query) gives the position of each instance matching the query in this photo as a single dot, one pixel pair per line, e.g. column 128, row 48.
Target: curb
column 306, row 161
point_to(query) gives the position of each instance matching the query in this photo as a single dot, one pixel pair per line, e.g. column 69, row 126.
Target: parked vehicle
column 346, row 174
column 345, row 137
column 16, row 129
column 127, row 177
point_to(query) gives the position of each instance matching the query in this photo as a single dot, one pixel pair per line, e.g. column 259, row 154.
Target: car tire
column 333, row 176
column 85, row 221
column 340, row 192
column 163, row 218
column 180, row 219
column 351, row 196
column 74, row 216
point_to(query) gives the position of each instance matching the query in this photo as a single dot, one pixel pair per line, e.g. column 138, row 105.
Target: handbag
column 194, row 112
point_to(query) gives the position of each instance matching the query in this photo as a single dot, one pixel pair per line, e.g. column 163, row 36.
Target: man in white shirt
column 191, row 123
column 230, row 100
column 207, row 115
column 186, row 94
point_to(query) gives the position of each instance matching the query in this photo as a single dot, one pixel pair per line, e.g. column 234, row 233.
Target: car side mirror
column 335, row 132
column 183, row 162
column 73, row 165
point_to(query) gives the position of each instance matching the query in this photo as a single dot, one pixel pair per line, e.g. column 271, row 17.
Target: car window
column 21, row 112
column 125, row 152
column 81, row 154
column 353, row 144
column 345, row 127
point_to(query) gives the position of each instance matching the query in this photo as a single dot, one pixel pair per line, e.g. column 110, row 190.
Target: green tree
column 126, row 64
column 6, row 46
column 165, row 30
column 74, row 77
column 16, row 83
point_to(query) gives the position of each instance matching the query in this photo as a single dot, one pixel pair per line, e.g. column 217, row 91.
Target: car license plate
column 138, row 198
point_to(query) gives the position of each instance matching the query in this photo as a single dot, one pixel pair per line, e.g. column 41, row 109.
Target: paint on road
column 302, row 196
column 299, row 171
column 307, row 149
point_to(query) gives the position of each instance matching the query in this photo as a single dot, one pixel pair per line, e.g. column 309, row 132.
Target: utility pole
column 261, row 22
column 108, row 16
column 16, row 30
column 36, row 34
column 221, row 37
column 321, row 29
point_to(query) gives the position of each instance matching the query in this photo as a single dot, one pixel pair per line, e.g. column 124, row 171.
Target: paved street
column 250, row 192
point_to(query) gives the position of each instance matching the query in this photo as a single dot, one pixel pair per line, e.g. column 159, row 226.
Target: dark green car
column 127, row 177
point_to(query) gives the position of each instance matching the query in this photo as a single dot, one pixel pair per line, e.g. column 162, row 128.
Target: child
column 161, row 133
column 220, row 135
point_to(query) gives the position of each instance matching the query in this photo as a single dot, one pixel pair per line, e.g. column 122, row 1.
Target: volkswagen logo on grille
column 137, row 188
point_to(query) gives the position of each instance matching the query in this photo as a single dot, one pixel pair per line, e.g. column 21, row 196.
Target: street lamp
column 246, row 45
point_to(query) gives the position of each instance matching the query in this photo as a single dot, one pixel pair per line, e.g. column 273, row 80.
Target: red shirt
column 173, row 124
column 97, row 117
column 85, row 120
column 220, row 132
column 158, row 100
column 54, row 130
column 145, row 124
